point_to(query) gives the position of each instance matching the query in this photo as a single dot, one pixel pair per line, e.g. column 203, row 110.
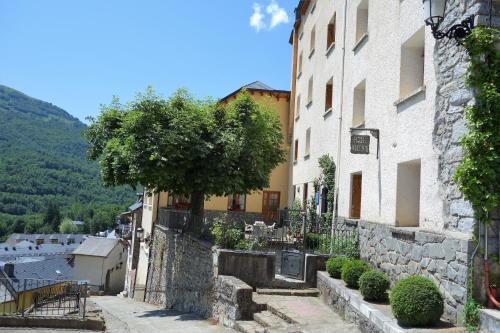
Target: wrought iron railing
column 42, row 297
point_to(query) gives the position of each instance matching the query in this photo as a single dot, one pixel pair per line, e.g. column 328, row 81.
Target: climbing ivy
column 478, row 175
column 328, row 168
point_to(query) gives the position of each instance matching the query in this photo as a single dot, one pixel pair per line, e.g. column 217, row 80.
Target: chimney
column 9, row 269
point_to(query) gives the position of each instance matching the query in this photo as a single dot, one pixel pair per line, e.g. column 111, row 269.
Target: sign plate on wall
column 360, row 144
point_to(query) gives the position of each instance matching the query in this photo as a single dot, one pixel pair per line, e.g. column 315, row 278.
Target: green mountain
column 43, row 159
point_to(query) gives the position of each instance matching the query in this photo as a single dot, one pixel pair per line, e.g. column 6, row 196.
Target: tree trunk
column 197, row 208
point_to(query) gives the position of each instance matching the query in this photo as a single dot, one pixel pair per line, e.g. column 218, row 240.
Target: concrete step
column 311, row 292
column 490, row 320
column 283, row 282
column 269, row 320
column 248, row 326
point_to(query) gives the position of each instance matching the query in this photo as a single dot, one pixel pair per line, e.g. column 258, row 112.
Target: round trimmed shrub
column 373, row 285
column 416, row 301
column 352, row 271
column 334, row 266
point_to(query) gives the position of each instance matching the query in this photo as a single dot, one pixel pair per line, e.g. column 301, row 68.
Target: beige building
column 260, row 205
column 101, row 262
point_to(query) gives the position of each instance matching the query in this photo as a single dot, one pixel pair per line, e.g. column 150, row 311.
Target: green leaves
column 183, row 145
column 478, row 175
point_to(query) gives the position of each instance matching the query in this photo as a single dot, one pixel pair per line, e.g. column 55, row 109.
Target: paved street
column 123, row 315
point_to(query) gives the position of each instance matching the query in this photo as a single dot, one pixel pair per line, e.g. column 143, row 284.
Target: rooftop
column 96, row 246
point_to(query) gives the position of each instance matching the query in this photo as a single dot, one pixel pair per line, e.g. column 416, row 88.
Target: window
column 330, row 38
column 296, row 151
column 312, row 42
column 362, row 20
column 408, row 194
column 236, row 202
column 308, row 143
column 300, row 66
column 310, row 91
column 297, row 108
column 329, row 95
column 412, row 64
column 179, row 201
column 358, row 114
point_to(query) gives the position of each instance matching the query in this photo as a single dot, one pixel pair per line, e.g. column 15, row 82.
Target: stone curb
column 94, row 324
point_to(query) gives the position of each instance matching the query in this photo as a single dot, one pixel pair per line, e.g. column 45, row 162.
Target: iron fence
column 42, row 297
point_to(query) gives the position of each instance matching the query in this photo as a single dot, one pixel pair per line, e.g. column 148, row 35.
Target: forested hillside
column 43, row 159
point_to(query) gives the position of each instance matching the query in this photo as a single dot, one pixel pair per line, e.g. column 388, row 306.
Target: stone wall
column 181, row 273
column 255, row 268
column 402, row 252
column 452, row 96
column 233, row 300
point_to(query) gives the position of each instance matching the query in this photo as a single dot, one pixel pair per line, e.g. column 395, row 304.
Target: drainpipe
column 339, row 136
column 492, row 301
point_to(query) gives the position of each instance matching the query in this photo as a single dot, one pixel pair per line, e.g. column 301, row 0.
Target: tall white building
column 365, row 71
column 367, row 66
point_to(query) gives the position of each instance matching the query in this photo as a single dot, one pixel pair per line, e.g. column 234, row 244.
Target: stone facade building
column 373, row 89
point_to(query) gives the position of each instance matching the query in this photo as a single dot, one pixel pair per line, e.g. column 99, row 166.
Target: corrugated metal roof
column 96, row 246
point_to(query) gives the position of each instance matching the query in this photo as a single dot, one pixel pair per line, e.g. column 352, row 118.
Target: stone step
column 275, row 309
column 283, row 282
column 248, row 326
column 269, row 320
column 311, row 292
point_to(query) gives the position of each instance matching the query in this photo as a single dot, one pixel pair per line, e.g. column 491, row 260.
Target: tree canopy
column 187, row 146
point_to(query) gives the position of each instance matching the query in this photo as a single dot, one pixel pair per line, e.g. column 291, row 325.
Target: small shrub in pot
column 352, row 271
column 373, row 285
column 334, row 266
column 416, row 301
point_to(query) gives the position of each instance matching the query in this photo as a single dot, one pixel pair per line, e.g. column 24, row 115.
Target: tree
column 68, row 227
column 187, row 146
column 52, row 216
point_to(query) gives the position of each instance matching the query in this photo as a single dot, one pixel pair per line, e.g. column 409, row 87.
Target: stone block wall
column 255, row 268
column 181, row 273
column 402, row 252
column 233, row 300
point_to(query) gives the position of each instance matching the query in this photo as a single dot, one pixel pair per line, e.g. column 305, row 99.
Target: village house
column 101, row 262
column 257, row 206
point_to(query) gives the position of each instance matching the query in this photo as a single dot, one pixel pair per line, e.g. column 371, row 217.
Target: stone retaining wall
column 234, row 216
column 402, row 252
column 181, row 273
column 233, row 300
column 255, row 268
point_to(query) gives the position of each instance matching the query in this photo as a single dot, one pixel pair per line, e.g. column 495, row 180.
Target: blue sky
column 78, row 54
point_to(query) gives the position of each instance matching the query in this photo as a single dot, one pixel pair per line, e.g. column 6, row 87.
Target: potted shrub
column 334, row 266
column 416, row 301
column 373, row 285
column 352, row 271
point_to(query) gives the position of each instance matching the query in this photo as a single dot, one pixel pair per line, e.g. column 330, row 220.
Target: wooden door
column 356, row 196
column 270, row 205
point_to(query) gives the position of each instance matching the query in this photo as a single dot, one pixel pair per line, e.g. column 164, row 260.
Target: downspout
column 491, row 298
column 339, row 137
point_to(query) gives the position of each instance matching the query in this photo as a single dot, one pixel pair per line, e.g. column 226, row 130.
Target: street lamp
column 434, row 11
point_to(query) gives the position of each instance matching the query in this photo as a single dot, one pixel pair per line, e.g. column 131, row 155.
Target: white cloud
column 257, row 18
column 278, row 14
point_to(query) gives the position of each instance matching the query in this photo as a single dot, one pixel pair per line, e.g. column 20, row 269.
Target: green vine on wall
column 328, row 169
column 478, row 175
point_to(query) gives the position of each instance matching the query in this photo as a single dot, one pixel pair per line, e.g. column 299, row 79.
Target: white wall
column 405, row 129
column 94, row 269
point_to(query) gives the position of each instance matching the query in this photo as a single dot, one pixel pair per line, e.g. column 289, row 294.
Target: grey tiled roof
column 15, row 238
column 41, row 273
column 258, row 86
column 96, row 246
